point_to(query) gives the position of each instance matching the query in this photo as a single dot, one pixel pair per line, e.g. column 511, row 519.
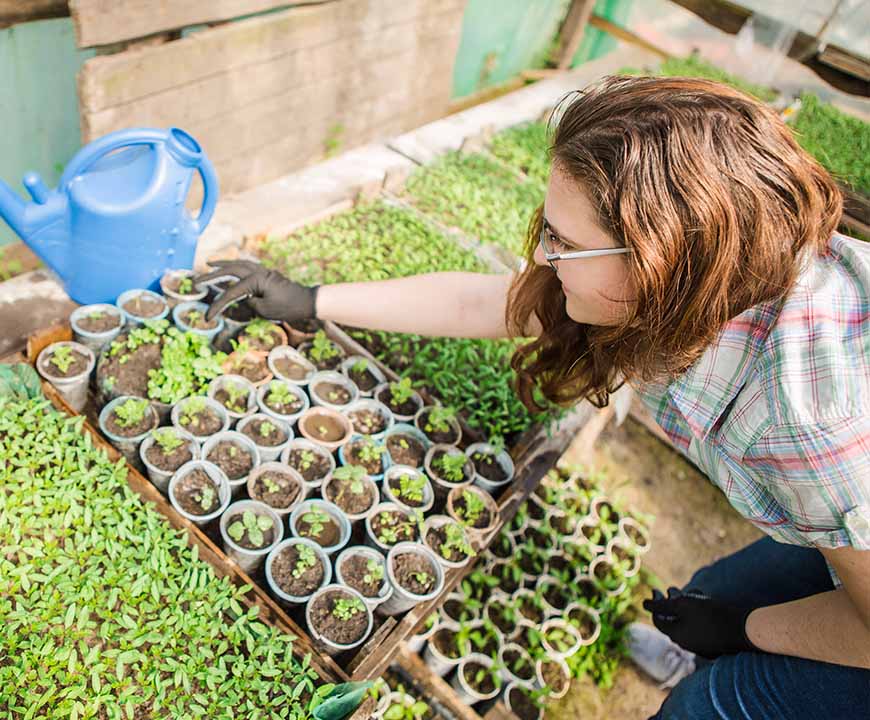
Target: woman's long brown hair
column 719, row 204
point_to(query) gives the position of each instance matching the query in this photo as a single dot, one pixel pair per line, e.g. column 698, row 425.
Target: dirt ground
column 692, row 525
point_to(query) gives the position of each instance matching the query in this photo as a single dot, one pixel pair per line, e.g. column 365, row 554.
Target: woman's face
column 596, row 288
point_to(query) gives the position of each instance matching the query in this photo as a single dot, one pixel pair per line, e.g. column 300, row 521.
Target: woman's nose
column 538, row 256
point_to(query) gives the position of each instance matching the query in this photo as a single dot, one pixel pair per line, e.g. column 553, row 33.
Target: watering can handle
column 88, row 155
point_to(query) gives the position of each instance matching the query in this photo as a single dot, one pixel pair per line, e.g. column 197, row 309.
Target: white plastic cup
column 248, row 559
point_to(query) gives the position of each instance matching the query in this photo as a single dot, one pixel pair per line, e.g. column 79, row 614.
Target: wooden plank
column 845, row 61
column 571, row 34
column 100, row 22
column 625, row 35
column 20, row 11
column 107, row 81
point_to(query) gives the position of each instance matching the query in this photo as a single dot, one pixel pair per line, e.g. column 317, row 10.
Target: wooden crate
column 535, row 453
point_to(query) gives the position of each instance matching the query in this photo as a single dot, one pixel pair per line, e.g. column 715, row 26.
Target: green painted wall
column 38, row 102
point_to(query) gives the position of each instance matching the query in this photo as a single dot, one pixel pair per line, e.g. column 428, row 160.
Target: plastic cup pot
column 448, row 467
column 250, row 530
column 292, row 570
column 623, row 555
column 199, row 491
column 476, row 679
column 165, row 450
column 323, row 522
column 287, row 363
column 311, row 460
column 365, row 374
column 445, row 430
column 518, row 700
column 602, row 508
column 126, row 421
column 282, row 400
column 276, row 485
column 585, row 620
column 177, row 287
column 401, row 700
column 328, row 614
column 96, row 326
column 365, row 570
column 530, row 607
column 236, row 393
column 336, row 354
column 353, row 491
column 590, row 534
column 190, row 317
column 555, row 597
column 68, row 366
column 447, row 540
column 409, row 488
column 456, row 609
column 516, row 665
column 332, row 390
column 370, row 418
column 200, row 416
column 499, row 611
column 442, row 653
column 269, row 434
column 416, row 577
column 636, row 534
column 474, row 509
column 503, row 546
column 553, row 673
column 423, row 633
column 139, row 305
column 493, row 467
column 406, row 445
column 228, row 450
column 360, row 445
column 404, row 411
column 328, row 428
column 560, row 638
column 383, row 537
column 602, row 571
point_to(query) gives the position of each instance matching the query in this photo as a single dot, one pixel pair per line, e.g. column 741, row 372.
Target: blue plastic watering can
column 117, row 218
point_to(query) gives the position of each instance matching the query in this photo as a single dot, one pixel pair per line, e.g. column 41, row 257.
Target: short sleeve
column 819, row 474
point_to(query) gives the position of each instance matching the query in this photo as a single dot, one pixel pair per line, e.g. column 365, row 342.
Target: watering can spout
column 12, row 210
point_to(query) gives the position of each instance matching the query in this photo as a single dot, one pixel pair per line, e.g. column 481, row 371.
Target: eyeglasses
column 550, row 241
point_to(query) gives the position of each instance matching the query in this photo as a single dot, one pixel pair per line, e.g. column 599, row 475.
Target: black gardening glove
column 700, row 624
column 268, row 292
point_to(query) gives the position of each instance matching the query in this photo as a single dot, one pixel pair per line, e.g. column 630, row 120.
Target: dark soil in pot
column 407, row 408
column 169, row 462
column 636, row 536
column 559, row 564
column 325, row 532
column 288, row 407
column 275, row 489
column 245, row 540
column 364, row 380
column 436, row 467
column 396, row 488
column 342, row 632
column 311, row 465
column 455, row 610
column 341, row 493
column 325, row 428
column 235, row 461
column 290, row 368
column 554, row 676
column 483, row 519
column 583, row 622
column 485, row 685
column 173, row 284
column 522, row 704
column 486, row 465
column 435, row 539
column 447, row 437
column 131, row 376
column 203, row 423
column 197, row 494
column 589, row 592
column 489, row 646
column 530, row 562
column 500, row 616
column 367, row 422
column 414, row 573
column 354, row 571
column 196, row 320
column 389, row 523
column 530, row 611
column 264, row 433
column 538, row 538
column 352, row 454
column 562, row 524
column 99, row 322
column 506, row 580
column 238, row 405
column 309, row 326
column 269, row 339
column 78, row 365
column 406, row 450
column 143, row 306
column 535, row 511
column 501, row 547
column 445, row 642
column 144, row 425
column 250, row 367
column 333, row 393
column 519, row 665
column 307, row 579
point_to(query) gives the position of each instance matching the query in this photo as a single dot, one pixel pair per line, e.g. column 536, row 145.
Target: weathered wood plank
column 100, row 22
column 107, row 81
column 20, row 11
column 572, row 31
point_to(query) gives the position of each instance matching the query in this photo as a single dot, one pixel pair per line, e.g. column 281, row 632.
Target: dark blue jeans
column 760, row 686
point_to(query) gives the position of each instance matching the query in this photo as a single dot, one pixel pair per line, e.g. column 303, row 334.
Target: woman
column 687, row 246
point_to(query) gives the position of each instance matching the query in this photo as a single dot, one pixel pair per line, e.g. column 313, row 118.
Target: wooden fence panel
column 269, row 95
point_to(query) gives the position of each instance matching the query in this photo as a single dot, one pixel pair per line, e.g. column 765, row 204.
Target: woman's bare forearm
column 448, row 304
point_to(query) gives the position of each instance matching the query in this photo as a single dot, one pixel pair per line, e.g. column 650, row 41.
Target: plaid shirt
column 777, row 411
